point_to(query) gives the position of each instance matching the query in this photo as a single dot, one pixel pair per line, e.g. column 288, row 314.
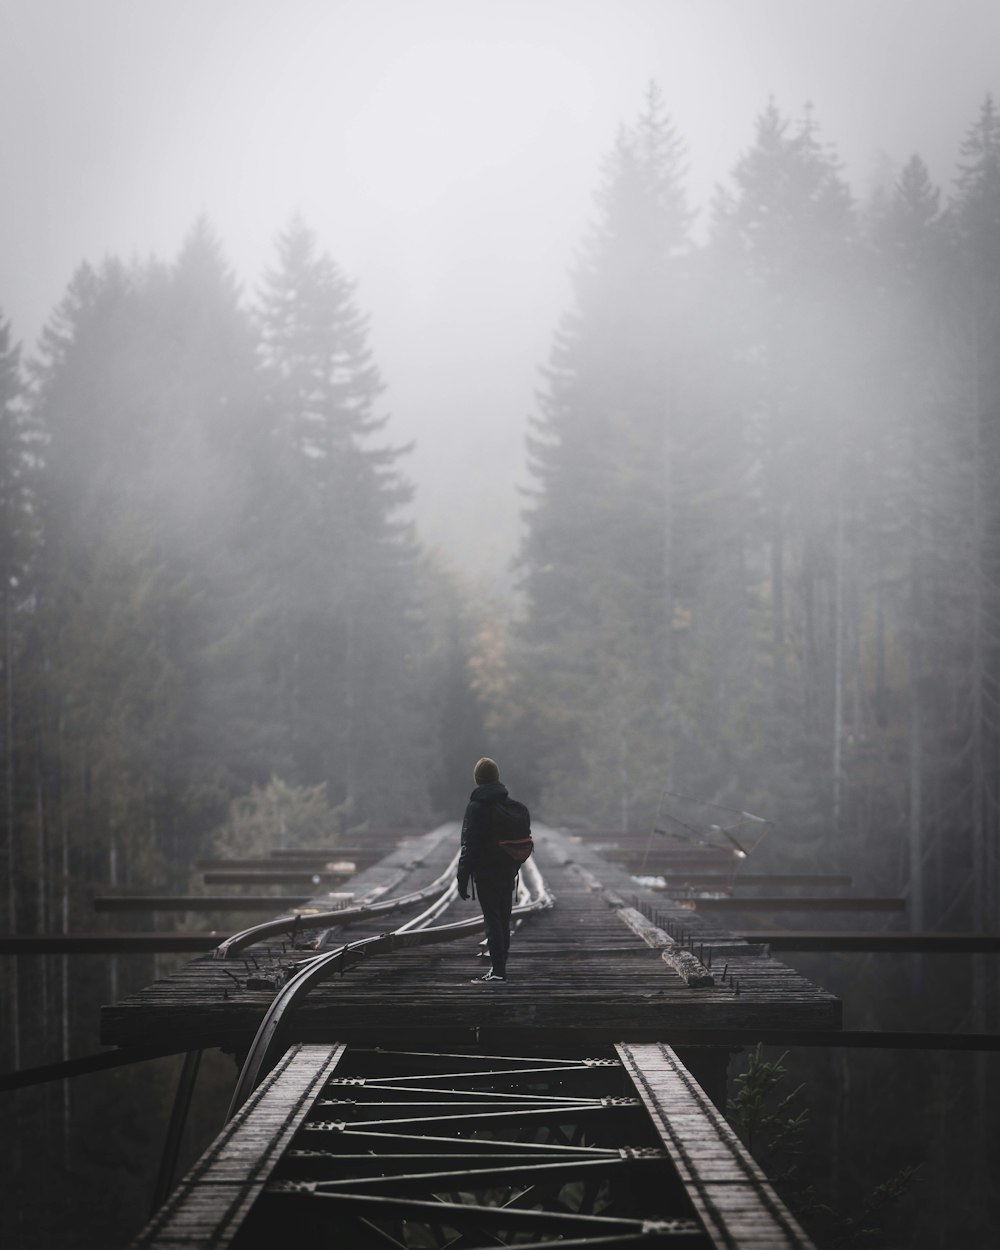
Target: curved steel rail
column 533, row 895
column 347, row 915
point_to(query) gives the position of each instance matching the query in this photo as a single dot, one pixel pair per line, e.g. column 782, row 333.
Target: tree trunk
column 41, row 886
column 838, row 659
column 9, row 831
column 113, row 882
column 778, row 602
column 65, row 1030
column 915, row 745
column 977, row 744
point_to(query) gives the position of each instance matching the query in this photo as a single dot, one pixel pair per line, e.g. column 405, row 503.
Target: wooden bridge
column 595, row 968
column 387, row 1098
column 410, row 1105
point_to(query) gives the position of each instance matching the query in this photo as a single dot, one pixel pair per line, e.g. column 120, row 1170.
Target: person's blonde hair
column 486, row 770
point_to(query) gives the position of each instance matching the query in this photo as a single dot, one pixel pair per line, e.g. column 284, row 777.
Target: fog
column 668, row 309
column 445, row 153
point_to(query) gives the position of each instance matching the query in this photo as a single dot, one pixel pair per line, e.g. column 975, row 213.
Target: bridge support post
column 175, row 1129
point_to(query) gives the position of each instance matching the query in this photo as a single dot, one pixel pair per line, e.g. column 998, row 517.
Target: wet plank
column 211, row 1202
column 735, row 1201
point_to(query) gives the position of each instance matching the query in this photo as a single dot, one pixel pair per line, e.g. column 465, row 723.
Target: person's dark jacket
column 480, row 857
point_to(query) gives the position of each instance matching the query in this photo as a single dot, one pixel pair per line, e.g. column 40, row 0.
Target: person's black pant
column 496, row 898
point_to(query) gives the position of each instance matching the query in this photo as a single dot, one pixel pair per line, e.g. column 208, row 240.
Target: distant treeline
column 762, row 567
column 761, row 561
column 208, row 593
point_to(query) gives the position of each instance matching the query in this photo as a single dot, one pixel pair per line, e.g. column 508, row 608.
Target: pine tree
column 975, row 215
column 910, row 528
column 343, row 631
column 214, row 476
column 18, row 547
column 599, row 553
column 786, row 236
column 144, row 378
column 453, row 711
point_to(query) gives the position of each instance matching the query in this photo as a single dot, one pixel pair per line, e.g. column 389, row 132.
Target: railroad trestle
column 388, row 1097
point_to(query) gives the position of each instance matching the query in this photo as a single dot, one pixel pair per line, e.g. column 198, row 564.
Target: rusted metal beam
column 198, row 902
column 680, row 877
column 106, row 943
column 294, row 860
column 175, row 1128
column 914, row 943
column 629, row 835
column 698, row 858
column 772, row 903
column 277, row 876
column 64, row 1068
column 374, row 844
column 733, row 1037
column 728, row 1037
column 848, row 1039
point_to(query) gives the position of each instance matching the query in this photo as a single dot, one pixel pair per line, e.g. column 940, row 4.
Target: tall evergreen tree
column 911, row 530
column 343, row 634
column 18, row 543
column 785, row 236
column 144, row 374
column 453, row 711
column 976, row 221
column 599, row 556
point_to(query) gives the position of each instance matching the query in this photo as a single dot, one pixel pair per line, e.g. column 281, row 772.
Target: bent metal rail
column 612, row 961
column 295, row 921
column 533, row 895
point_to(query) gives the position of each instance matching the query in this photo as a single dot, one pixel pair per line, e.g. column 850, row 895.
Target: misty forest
column 760, row 564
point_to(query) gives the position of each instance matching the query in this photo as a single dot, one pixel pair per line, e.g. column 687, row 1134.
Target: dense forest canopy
column 760, row 558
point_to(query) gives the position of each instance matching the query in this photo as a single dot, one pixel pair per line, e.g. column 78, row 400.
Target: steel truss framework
column 359, row 1146
column 426, row 1151
column 418, row 1150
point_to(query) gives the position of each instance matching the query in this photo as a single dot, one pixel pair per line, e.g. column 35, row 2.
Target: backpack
column 511, row 830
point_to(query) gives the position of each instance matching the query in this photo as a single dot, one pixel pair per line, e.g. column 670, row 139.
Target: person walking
column 496, row 840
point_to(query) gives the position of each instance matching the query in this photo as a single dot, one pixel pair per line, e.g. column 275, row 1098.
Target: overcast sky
column 445, row 151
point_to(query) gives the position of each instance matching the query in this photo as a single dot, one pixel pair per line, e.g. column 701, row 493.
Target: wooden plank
column 734, row 1199
column 687, row 966
column 214, row 1198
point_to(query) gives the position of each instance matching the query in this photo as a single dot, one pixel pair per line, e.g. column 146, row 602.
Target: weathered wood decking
column 591, row 969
